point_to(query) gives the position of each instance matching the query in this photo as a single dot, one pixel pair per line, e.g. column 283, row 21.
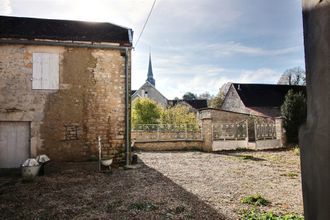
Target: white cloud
column 5, row 7
column 205, row 80
column 232, row 48
column 262, row 75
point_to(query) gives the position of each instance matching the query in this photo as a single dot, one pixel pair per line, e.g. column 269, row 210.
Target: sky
column 195, row 46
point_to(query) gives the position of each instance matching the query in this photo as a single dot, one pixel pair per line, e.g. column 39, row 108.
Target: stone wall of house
column 232, row 102
column 218, row 115
column 65, row 123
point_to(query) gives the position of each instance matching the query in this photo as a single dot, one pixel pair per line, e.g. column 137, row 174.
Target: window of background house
column 45, row 71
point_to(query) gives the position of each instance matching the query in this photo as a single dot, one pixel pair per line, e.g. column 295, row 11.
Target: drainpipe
column 127, row 121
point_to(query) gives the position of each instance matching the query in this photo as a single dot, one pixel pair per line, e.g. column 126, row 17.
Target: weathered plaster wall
column 65, row 123
column 315, row 135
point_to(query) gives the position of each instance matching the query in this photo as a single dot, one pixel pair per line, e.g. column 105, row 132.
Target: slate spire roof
column 150, row 73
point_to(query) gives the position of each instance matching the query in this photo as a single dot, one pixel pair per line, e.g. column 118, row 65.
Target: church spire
column 150, row 73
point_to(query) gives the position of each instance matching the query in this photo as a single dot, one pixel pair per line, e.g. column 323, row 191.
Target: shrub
column 294, row 111
column 145, row 111
column 255, row 215
column 178, row 114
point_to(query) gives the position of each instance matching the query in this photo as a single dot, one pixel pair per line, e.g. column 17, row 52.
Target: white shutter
column 37, row 71
column 48, row 65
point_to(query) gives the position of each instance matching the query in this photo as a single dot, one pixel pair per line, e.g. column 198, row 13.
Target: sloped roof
column 132, row 92
column 36, row 28
column 264, row 95
column 195, row 103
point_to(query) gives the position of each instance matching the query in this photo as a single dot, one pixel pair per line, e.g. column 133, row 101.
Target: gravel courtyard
column 164, row 185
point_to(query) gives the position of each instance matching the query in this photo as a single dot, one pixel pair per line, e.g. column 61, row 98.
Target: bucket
column 30, row 169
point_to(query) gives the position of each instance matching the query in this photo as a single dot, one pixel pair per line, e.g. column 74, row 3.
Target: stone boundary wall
column 229, row 145
column 208, row 118
column 170, row 145
column 267, row 144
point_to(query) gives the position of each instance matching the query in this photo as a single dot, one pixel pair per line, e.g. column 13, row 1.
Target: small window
column 45, row 71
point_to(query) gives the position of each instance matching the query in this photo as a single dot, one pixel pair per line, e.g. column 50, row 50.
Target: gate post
column 207, row 131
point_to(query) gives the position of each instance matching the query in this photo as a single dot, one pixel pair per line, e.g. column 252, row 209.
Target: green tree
column 217, row 100
column 294, row 111
column 145, row 111
column 189, row 96
column 178, row 114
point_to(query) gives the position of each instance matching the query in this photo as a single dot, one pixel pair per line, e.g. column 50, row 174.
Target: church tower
column 150, row 73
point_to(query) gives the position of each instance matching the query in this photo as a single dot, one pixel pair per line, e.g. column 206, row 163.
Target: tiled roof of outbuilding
column 195, row 103
column 264, row 95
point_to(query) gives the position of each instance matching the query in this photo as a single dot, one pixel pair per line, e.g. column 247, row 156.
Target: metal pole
column 100, row 152
column 127, row 121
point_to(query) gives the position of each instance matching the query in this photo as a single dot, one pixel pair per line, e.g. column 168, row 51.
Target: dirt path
column 222, row 180
column 171, row 185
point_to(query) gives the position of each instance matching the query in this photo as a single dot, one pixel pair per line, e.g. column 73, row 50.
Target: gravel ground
column 164, row 185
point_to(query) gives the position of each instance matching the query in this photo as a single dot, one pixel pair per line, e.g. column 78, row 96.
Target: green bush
column 294, row 111
column 145, row 111
column 179, row 114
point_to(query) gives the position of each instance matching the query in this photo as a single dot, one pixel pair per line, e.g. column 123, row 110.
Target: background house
column 58, row 80
column 257, row 99
column 193, row 104
column 148, row 89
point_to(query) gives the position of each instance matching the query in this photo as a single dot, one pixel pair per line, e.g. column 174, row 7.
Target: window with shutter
column 45, row 71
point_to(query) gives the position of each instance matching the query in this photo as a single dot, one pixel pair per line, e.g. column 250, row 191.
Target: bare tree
column 293, row 76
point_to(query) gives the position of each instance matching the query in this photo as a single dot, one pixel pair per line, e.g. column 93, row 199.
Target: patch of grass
column 256, row 200
column 256, row 215
column 143, row 206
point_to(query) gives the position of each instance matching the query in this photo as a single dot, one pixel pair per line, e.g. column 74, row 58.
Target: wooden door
column 14, row 143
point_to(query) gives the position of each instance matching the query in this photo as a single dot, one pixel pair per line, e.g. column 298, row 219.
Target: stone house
column 147, row 90
column 63, row 84
column 263, row 100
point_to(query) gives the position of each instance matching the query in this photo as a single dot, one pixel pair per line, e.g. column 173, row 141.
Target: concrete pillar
column 314, row 135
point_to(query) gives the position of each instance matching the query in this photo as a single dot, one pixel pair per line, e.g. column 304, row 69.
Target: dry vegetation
column 165, row 185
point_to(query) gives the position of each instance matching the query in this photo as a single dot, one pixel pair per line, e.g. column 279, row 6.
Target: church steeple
column 150, row 73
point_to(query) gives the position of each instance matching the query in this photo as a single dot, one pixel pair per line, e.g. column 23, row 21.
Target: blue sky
column 195, row 45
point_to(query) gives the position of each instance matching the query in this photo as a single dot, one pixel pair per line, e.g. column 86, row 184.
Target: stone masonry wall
column 232, row 102
column 170, row 145
column 65, row 123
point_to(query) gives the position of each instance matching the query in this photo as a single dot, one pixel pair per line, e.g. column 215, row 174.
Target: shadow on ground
column 77, row 190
